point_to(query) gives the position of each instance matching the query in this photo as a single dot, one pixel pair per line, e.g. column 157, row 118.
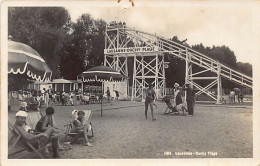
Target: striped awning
column 101, row 74
column 24, row 59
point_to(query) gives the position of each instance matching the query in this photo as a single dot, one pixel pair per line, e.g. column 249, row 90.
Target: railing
column 181, row 51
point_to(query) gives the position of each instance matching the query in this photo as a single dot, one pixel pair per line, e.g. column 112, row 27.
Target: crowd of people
column 48, row 97
column 236, row 96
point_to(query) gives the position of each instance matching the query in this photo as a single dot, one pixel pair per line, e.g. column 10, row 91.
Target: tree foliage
column 245, row 68
column 86, row 48
column 70, row 48
column 45, row 29
column 223, row 54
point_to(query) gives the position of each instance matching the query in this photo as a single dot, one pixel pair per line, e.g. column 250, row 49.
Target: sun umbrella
column 101, row 74
column 24, row 59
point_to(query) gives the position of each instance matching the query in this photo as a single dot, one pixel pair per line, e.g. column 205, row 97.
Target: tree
column 223, row 54
column 18, row 81
column 86, row 47
column 245, row 68
column 43, row 28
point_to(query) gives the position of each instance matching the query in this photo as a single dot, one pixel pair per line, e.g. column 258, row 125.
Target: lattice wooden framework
column 122, row 38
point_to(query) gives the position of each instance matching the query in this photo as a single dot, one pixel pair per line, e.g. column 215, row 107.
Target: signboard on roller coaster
column 130, row 50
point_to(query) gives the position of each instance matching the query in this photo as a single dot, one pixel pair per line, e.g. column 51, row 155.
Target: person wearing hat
column 190, row 98
column 150, row 96
column 177, row 98
column 176, row 89
column 44, row 137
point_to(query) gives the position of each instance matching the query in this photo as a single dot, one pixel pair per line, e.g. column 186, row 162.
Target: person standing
column 46, row 97
column 108, row 94
column 232, row 97
column 190, row 98
column 240, row 97
column 50, row 91
column 150, row 96
column 176, row 92
column 117, row 95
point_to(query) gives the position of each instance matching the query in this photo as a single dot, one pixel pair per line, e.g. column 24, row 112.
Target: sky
column 211, row 23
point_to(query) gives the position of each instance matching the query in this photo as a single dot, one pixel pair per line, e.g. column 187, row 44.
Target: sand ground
column 122, row 132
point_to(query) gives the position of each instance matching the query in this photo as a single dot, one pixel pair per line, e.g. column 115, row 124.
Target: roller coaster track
column 182, row 52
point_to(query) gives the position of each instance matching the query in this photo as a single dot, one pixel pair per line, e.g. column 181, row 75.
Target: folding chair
column 88, row 116
column 17, row 145
column 33, row 118
column 171, row 108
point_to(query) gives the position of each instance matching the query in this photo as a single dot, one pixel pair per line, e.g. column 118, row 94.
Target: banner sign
column 130, row 50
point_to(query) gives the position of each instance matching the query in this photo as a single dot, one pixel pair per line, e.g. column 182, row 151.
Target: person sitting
column 62, row 98
column 84, row 99
column 71, row 102
column 47, row 122
column 33, row 103
column 21, row 96
column 44, row 137
column 66, row 99
column 78, row 127
column 178, row 101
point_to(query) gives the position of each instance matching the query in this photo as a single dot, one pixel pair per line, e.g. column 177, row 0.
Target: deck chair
column 33, row 118
column 172, row 109
column 17, row 145
column 88, row 116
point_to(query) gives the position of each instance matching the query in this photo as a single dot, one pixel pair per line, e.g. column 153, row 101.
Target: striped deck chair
column 33, row 118
column 88, row 116
column 17, row 145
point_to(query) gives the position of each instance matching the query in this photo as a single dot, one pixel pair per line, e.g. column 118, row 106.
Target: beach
column 216, row 131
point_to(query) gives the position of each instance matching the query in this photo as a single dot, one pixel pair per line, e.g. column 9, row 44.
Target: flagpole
column 102, row 96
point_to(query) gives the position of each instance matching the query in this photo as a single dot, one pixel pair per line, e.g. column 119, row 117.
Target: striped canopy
column 100, row 74
column 23, row 59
